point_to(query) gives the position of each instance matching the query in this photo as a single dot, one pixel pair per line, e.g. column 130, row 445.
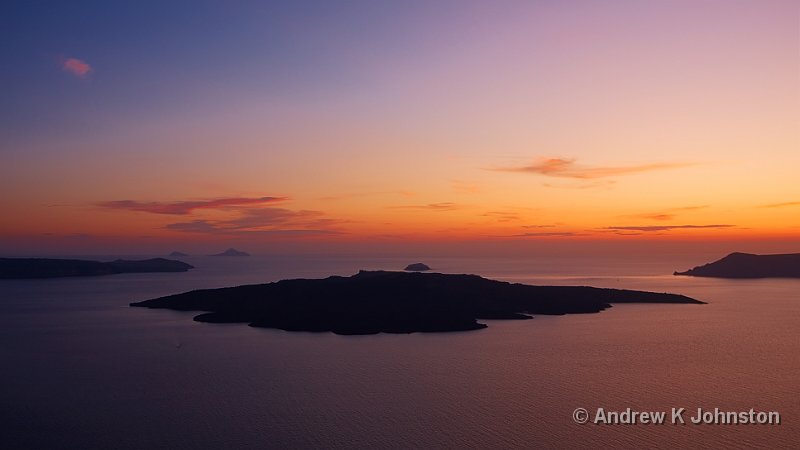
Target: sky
column 306, row 125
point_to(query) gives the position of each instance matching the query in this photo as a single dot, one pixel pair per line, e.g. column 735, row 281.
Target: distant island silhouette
column 232, row 252
column 747, row 265
column 394, row 302
column 53, row 268
column 417, row 267
column 177, row 254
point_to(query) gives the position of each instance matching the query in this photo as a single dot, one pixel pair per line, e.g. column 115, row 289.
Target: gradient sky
column 200, row 125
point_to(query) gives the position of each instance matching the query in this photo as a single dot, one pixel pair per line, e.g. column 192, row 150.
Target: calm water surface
column 80, row 369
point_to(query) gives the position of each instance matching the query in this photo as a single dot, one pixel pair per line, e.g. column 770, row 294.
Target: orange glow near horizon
column 539, row 123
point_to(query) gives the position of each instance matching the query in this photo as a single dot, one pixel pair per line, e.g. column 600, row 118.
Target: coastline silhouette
column 747, row 265
column 14, row 268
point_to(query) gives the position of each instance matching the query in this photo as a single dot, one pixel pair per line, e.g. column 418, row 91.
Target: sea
column 83, row 370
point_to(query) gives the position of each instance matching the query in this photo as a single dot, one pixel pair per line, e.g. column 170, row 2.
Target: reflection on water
column 82, row 370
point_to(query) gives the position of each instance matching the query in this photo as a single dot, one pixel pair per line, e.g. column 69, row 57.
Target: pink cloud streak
column 567, row 168
column 186, row 207
column 77, row 67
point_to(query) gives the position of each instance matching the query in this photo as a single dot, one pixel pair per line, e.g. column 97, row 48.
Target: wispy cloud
column 261, row 217
column 186, row 207
column 263, row 221
column 242, row 216
column 195, row 226
column 689, row 208
column 780, row 205
column 655, row 216
column 656, row 228
column 568, row 168
column 503, row 216
column 351, row 195
column 344, row 196
column 547, row 234
column 667, row 214
column 444, row 206
column 584, row 184
column 538, row 226
column 76, row 66
column 464, row 187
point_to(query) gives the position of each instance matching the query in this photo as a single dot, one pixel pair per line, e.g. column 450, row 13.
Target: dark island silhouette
column 747, row 265
column 177, row 254
column 417, row 267
column 54, row 268
column 232, row 252
column 394, row 302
